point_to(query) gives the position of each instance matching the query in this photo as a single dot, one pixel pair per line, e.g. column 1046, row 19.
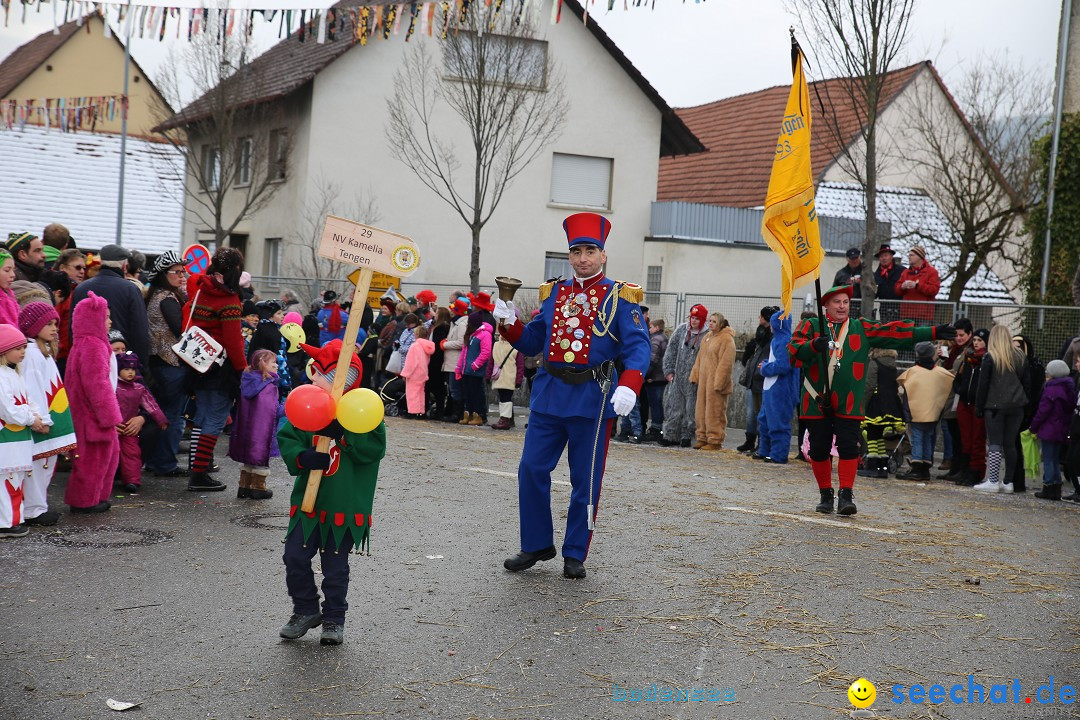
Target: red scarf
column 334, row 325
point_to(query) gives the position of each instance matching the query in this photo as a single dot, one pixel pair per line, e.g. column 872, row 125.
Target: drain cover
column 262, row 521
column 105, row 537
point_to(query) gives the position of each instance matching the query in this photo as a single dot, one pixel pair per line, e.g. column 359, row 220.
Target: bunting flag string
column 64, row 114
column 360, row 20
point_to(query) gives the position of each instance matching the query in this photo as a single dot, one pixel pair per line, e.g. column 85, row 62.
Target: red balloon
column 310, row 408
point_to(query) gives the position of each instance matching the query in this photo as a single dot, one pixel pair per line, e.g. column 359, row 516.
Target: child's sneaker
column 298, row 625
column 14, row 532
column 332, row 634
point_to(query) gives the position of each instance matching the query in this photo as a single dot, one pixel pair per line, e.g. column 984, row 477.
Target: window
column 499, row 59
column 272, row 257
column 581, row 181
column 211, row 168
column 279, row 154
column 557, row 265
column 243, row 162
column 653, row 276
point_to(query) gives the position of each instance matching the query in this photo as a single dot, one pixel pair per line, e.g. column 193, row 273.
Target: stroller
column 393, row 396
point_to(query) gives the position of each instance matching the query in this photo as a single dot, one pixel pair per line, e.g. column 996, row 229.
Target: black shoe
column 826, row 504
column 845, row 504
column 201, row 482
column 758, row 456
column 99, row 508
column 131, row 488
column 634, row 440
column 749, row 444
column 664, row 442
column 774, row 461
column 332, row 634
column 684, row 443
column 49, row 517
column 1048, row 492
column 19, row 531
column 573, row 569
column 174, row 473
column 652, row 435
column 525, row 560
column 298, row 625
column 622, row 438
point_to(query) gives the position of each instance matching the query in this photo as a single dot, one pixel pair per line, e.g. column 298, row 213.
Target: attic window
column 48, row 68
column 137, row 78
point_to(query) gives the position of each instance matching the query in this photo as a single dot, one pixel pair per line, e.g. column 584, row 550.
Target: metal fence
column 1050, row 328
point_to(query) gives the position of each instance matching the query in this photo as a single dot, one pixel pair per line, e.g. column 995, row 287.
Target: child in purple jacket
column 133, row 398
column 1051, row 425
column 254, row 437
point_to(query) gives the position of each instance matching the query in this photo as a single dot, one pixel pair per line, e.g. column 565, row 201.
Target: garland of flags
column 64, row 114
column 183, row 19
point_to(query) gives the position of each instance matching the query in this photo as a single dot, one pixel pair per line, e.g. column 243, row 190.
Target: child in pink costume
column 94, row 408
column 133, row 397
column 415, row 371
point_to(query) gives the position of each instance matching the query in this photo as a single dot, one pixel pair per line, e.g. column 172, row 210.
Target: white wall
column 608, row 117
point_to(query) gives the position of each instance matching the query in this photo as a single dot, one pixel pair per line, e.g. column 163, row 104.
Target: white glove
column 504, row 310
column 623, row 400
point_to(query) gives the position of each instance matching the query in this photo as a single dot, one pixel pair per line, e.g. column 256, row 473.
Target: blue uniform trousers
column 545, row 440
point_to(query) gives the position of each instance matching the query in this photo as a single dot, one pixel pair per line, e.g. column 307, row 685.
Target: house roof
column 290, row 64
column 916, row 220
column 27, row 58
column 740, row 134
column 153, row 187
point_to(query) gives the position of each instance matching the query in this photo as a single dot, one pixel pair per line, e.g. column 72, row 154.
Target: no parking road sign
column 197, row 259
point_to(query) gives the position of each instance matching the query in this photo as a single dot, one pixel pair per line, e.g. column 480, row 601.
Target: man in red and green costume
column 838, row 359
column 341, row 520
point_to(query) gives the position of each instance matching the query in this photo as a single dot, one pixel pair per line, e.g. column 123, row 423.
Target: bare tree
column 234, row 145
column 975, row 159
column 860, row 40
column 302, row 259
column 505, row 90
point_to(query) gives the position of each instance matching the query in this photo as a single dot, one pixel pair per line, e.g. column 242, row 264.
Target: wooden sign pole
column 348, row 346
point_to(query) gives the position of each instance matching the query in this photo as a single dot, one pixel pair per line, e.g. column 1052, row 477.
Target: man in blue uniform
column 596, row 350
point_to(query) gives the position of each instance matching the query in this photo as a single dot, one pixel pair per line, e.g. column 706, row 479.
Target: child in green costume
column 341, row 520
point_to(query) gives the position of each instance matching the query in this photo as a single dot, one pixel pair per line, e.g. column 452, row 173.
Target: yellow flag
column 790, row 226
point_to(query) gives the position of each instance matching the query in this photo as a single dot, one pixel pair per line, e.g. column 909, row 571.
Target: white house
column 334, row 100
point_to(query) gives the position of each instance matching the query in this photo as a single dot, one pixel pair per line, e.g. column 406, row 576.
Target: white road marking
column 816, row 520
column 510, row 475
column 460, row 437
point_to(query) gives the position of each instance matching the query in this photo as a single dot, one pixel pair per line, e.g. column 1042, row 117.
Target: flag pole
column 827, row 403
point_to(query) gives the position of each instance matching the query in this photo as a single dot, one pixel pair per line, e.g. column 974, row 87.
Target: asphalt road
column 174, row 599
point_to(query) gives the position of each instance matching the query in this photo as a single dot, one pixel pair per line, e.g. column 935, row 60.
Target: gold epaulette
column 631, row 293
column 545, row 290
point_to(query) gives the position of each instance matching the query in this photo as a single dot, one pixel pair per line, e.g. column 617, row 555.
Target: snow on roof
column 916, row 220
column 73, row 179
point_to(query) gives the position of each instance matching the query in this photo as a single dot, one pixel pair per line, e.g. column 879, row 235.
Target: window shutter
column 581, row 181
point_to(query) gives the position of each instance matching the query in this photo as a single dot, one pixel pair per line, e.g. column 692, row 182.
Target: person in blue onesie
column 587, row 327
column 779, row 396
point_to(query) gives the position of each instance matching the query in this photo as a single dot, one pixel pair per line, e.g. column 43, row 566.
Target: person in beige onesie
column 712, row 373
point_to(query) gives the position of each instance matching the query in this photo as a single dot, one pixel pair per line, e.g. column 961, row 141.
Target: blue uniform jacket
column 627, row 338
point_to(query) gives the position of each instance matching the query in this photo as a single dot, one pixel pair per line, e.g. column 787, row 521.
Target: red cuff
column 631, row 379
column 512, row 332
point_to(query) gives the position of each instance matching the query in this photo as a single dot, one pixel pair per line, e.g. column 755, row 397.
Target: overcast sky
column 695, row 53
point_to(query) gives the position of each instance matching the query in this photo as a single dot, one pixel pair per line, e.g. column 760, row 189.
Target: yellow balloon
column 294, row 334
column 360, row 410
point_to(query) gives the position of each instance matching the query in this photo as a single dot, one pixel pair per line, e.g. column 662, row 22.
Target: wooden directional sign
column 371, row 250
column 368, row 248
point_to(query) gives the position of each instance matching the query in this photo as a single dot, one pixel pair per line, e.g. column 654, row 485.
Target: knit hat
column 1057, row 369
column 19, row 241
column 983, row 334
column 459, row 307
column 292, row 317
column 35, row 316
column 116, row 336
column 114, row 253
column 10, row 338
column 700, row 312
column 248, row 308
column 163, row 262
column 919, row 250
column 925, row 350
column 127, row 361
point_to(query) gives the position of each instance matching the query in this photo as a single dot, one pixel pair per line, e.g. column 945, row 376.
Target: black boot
column 826, row 504
column 845, row 504
column 202, row 482
column 749, row 444
column 1049, row 492
column 956, row 469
